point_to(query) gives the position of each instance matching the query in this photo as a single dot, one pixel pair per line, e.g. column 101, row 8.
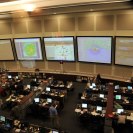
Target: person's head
column 53, row 104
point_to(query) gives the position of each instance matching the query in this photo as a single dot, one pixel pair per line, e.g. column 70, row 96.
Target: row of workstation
column 22, row 93
column 8, row 125
column 91, row 108
column 52, row 93
column 94, row 103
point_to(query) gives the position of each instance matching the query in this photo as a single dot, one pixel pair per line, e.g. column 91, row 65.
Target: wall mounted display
column 6, row 51
column 28, row 48
column 124, row 50
column 59, row 48
column 96, row 49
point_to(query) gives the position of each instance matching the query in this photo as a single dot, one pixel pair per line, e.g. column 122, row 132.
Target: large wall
column 107, row 23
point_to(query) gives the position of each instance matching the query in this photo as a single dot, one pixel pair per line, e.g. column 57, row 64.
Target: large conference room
column 66, row 66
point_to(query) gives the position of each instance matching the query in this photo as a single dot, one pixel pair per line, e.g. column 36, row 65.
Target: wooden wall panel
column 19, row 27
column 124, row 22
column 1, row 64
column 54, row 65
column 25, row 65
column 5, row 28
column 51, row 25
column 104, row 69
column 34, row 26
column 105, row 22
column 123, row 71
column 11, row 65
column 40, row 64
column 86, row 67
column 86, row 23
column 67, row 24
column 69, row 66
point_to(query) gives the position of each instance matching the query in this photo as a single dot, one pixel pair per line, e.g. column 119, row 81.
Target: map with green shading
column 29, row 49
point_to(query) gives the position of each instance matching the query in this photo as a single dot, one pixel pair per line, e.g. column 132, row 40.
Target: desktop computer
column 119, row 111
column 84, row 105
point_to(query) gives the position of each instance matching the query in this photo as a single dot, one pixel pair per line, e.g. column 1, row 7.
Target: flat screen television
column 124, row 50
column 6, row 50
column 93, row 84
column 98, row 108
column 9, row 76
column 119, row 111
column 59, row 48
column 118, row 97
column 84, row 105
column 91, row 87
column 49, row 100
column 2, row 118
column 117, row 87
column 28, row 48
column 129, row 87
column 37, row 100
column 55, row 131
column 101, row 95
column 47, row 88
column 96, row 49
column 28, row 86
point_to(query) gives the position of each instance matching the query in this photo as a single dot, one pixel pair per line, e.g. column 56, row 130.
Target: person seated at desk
column 94, row 112
column 33, row 83
column 121, row 122
column 98, row 79
column 84, row 94
column 121, row 118
column 84, row 117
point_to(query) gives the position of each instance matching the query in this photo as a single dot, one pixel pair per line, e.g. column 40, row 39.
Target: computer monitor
column 55, row 131
column 47, row 88
column 49, row 100
column 101, row 95
column 37, row 100
column 129, row 87
column 93, row 84
column 2, row 118
column 120, row 111
column 84, row 105
column 28, row 86
column 9, row 76
column 118, row 97
column 35, row 79
column 98, row 108
column 117, row 87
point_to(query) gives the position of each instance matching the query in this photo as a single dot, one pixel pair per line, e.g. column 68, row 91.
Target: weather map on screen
column 59, row 48
column 28, row 48
column 94, row 49
column 124, row 50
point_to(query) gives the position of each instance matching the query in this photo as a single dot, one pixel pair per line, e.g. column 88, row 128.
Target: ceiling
column 2, row 1
column 13, row 8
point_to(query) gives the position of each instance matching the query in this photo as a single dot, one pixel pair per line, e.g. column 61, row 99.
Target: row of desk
column 17, row 126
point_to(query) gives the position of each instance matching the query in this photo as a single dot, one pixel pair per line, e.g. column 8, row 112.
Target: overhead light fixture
column 29, row 7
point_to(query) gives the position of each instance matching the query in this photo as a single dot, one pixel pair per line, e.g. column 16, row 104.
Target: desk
column 54, row 96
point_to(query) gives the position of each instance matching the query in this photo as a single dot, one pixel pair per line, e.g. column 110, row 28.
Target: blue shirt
column 52, row 111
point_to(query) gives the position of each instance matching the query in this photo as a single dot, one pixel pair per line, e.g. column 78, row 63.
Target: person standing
column 53, row 115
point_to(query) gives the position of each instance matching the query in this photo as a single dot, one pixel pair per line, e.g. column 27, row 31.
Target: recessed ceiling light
column 29, row 7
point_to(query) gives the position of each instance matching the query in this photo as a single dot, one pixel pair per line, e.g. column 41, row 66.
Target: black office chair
column 79, row 95
column 84, row 119
column 97, row 124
